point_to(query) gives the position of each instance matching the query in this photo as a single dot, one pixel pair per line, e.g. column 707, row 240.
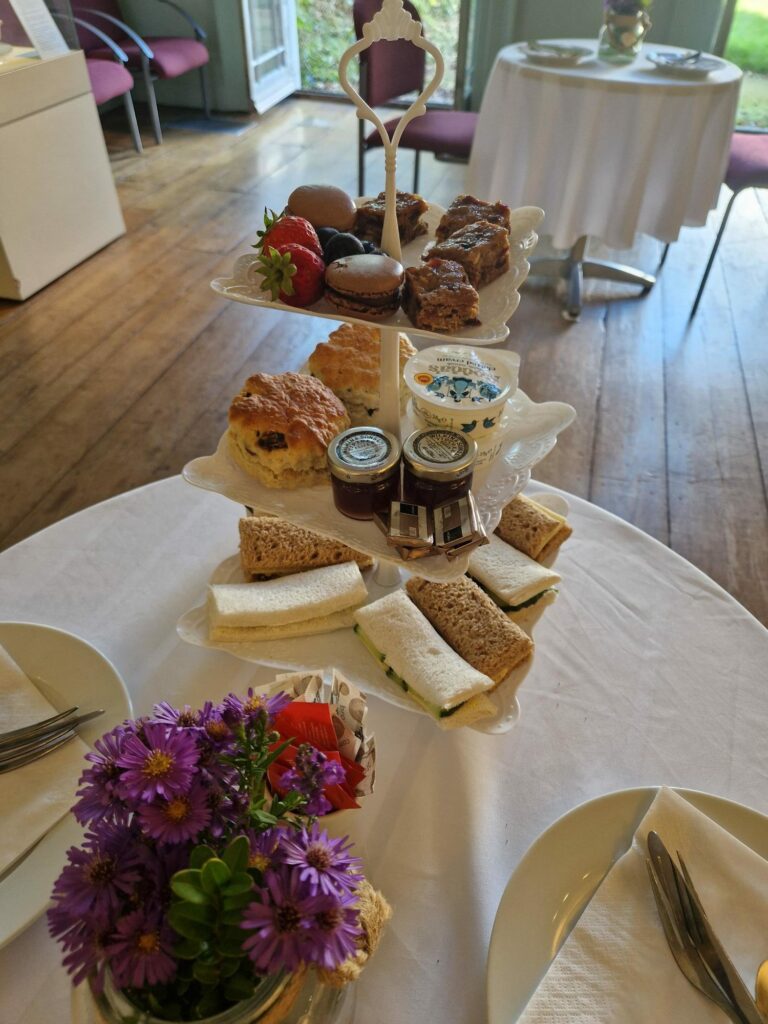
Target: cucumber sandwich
column 512, row 579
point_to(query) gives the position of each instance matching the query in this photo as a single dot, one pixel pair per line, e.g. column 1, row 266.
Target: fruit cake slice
column 370, row 218
column 438, row 296
column 482, row 249
column 469, row 210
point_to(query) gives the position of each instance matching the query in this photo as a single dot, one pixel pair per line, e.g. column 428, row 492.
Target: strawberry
column 285, row 229
column 292, row 273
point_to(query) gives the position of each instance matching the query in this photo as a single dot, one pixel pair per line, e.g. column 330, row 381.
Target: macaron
column 367, row 286
column 324, row 206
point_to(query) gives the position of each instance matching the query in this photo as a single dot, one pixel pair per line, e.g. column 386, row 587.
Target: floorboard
column 121, row 371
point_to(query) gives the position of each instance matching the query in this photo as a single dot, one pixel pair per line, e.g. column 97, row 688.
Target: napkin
column 616, row 965
column 33, row 798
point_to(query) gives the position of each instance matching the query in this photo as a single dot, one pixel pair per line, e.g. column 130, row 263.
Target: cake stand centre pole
column 389, row 399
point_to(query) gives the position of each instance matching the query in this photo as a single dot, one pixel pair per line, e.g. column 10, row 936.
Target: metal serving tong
column 22, row 746
column 691, row 938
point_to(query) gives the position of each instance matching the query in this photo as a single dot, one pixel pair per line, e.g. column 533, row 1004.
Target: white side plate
column 498, row 300
column 67, row 671
column 558, row 876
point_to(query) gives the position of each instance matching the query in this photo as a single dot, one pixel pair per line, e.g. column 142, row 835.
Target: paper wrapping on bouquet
column 332, row 718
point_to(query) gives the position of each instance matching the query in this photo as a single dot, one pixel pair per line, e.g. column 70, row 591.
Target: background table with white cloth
column 645, row 672
column 607, row 150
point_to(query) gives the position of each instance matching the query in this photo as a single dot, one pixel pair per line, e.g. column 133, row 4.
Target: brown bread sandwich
column 273, row 547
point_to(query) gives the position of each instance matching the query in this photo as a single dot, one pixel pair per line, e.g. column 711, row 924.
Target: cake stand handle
column 391, row 22
column 389, row 399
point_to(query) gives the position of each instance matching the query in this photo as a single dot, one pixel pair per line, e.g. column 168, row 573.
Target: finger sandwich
column 512, row 579
column 418, row 659
column 474, row 625
column 533, row 529
column 302, row 604
column 273, row 547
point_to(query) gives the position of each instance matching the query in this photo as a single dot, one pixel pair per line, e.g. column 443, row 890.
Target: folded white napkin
column 616, row 965
column 33, row 798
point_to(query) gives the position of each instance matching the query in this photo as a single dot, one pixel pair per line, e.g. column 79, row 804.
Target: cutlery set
column 692, row 940
column 21, row 747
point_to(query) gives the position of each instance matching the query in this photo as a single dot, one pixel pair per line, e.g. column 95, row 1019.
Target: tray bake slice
column 482, row 249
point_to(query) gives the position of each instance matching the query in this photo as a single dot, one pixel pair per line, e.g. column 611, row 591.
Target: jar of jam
column 437, row 466
column 364, row 463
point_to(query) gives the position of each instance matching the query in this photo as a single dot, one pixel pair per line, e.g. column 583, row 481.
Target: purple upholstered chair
column 154, row 56
column 391, row 69
column 747, row 168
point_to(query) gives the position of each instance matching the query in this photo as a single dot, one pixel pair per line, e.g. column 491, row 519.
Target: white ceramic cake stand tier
column 528, row 431
column 498, row 300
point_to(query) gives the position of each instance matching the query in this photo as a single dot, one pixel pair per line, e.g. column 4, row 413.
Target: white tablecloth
column 645, row 672
column 605, row 150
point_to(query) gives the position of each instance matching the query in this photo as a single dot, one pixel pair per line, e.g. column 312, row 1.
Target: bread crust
column 272, row 546
column 280, row 426
column 531, row 528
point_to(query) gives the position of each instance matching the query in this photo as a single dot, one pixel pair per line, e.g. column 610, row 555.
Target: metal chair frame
column 147, row 56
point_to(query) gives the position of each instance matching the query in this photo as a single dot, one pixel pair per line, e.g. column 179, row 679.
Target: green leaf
column 239, row 987
column 185, row 927
column 209, row 1005
column 230, row 942
column 230, row 967
column 215, row 875
column 200, row 855
column 206, row 974
column 231, row 917
column 188, row 892
column 264, row 818
column 241, row 882
column 195, row 912
column 188, row 949
column 238, row 902
column 236, row 854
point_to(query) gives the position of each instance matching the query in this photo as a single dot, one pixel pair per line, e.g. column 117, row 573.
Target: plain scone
column 475, row 627
column 274, row 547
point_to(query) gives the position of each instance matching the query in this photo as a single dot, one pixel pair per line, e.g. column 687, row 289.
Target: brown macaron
column 366, row 286
column 324, row 206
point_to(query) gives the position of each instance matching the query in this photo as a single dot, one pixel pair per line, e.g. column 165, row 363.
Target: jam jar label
column 364, row 449
column 440, row 446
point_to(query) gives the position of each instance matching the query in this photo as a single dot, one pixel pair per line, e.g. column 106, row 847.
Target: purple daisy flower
column 99, row 784
column 184, row 718
column 216, row 730
column 140, row 952
column 312, row 771
column 161, row 766
column 84, row 945
column 280, row 923
column 322, row 862
column 178, row 819
column 335, row 930
column 99, row 874
column 237, row 709
column 264, row 849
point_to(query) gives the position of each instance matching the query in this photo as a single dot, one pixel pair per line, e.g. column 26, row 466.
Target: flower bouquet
column 199, row 886
column 626, row 24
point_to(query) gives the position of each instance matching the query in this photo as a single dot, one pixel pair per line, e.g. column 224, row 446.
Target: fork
column 17, row 741
column 36, row 751
column 17, row 735
column 685, row 953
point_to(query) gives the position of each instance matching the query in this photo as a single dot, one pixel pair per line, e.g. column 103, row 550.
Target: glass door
column 272, row 48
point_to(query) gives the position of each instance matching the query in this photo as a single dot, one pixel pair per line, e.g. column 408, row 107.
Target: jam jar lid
column 439, row 455
column 363, row 455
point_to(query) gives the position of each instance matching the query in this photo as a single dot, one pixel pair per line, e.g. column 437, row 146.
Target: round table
column 645, row 672
column 606, row 150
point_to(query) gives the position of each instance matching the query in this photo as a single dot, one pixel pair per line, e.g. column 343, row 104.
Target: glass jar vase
column 622, row 35
column 278, row 999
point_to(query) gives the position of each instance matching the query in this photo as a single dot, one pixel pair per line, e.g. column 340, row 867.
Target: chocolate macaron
column 366, row 286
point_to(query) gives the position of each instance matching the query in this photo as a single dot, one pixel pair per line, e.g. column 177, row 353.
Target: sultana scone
column 466, row 210
column 349, row 363
column 280, row 427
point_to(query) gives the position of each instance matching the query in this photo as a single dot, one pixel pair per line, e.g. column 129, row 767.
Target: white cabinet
column 58, row 203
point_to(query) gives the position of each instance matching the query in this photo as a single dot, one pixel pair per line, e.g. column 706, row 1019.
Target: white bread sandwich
column 512, row 579
column 533, row 529
column 304, row 603
column 415, row 656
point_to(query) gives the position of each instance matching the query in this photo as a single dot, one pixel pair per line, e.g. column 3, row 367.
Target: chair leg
column 130, row 113
column 360, row 158
column 712, row 255
column 152, row 101
column 205, row 90
column 664, row 254
column 416, row 161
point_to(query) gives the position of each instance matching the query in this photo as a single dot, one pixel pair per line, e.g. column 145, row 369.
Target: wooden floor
column 121, row 371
